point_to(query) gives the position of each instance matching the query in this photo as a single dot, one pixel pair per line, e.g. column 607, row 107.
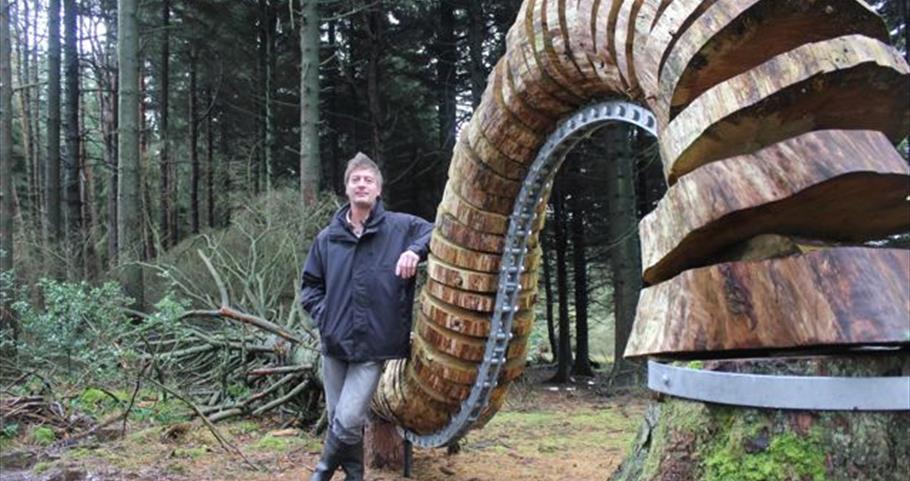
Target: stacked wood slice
column 777, row 120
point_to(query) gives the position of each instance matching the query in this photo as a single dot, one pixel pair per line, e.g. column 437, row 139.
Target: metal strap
column 540, row 175
column 811, row 393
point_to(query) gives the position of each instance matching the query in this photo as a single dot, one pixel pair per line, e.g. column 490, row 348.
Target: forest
column 165, row 166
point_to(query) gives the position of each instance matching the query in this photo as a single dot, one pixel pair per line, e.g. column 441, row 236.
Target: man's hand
column 407, row 265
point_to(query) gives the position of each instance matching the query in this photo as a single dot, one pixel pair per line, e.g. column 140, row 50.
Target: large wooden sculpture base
column 686, row 440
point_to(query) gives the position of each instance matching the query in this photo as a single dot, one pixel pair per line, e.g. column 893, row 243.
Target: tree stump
column 687, row 440
column 383, row 446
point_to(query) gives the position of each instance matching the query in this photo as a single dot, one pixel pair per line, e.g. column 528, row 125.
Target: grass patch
column 44, row 436
column 190, row 453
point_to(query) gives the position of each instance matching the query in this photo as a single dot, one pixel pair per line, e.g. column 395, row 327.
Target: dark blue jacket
column 349, row 286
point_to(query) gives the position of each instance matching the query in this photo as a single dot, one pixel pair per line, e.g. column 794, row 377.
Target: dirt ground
column 545, row 432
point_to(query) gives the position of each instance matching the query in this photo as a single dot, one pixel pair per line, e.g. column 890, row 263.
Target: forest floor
column 545, row 432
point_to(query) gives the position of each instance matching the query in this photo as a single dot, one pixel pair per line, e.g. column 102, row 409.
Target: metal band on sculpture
column 811, row 393
column 540, row 176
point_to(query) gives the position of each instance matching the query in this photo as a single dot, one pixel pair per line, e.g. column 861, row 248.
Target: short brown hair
column 361, row 161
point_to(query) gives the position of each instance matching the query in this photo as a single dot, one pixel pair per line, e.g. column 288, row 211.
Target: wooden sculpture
column 775, row 117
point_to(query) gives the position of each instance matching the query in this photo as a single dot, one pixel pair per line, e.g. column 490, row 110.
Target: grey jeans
column 349, row 387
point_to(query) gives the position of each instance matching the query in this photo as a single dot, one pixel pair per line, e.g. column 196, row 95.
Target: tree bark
column 8, row 322
column 38, row 159
column 193, row 122
column 310, row 162
column 564, row 351
column 25, row 106
column 582, row 366
column 384, row 447
column 130, row 204
column 210, row 161
column 107, row 80
column 375, row 31
column 267, row 66
column 166, row 191
column 446, row 82
column 73, row 176
column 625, row 258
column 476, row 35
column 52, row 169
column 87, row 193
column 548, row 289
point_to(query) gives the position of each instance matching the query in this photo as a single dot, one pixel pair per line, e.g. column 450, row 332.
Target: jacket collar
column 341, row 230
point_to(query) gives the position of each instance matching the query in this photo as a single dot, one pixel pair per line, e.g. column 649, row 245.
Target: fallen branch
column 266, row 371
column 278, row 402
column 225, row 444
column 259, row 322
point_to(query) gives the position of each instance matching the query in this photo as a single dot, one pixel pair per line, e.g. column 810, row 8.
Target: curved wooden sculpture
column 775, row 117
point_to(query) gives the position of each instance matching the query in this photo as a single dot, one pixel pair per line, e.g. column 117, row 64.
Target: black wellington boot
column 352, row 461
column 331, row 458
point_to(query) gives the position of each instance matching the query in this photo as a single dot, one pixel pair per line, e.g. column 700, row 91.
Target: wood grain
column 842, row 185
column 732, row 37
column 850, row 82
column 843, row 296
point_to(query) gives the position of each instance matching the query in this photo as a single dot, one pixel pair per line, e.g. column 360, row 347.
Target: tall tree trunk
column 582, row 366
column 564, row 348
column 150, row 240
column 25, row 105
column 209, row 161
column 446, row 59
column 36, row 123
column 476, row 34
column 271, row 34
column 194, row 137
column 107, row 97
column 625, row 255
column 129, row 215
column 330, row 170
column 375, row 22
column 71, row 128
column 548, row 289
column 8, row 322
column 258, row 169
column 166, row 192
column 310, row 163
column 89, row 214
column 52, row 168
column 223, row 148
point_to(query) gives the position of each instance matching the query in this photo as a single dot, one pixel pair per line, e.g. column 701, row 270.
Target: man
column 358, row 286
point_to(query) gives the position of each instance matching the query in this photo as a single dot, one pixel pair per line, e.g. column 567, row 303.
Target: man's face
column 363, row 188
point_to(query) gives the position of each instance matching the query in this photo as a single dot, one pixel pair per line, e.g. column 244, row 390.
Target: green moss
column 92, row 396
column 164, row 412
column 44, row 435
column 658, row 439
column 42, row 467
column 272, row 443
column 79, row 453
column 788, row 457
column 243, row 427
column 695, row 364
column 190, row 453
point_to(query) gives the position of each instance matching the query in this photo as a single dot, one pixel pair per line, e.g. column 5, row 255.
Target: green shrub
column 9, row 431
column 44, row 435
